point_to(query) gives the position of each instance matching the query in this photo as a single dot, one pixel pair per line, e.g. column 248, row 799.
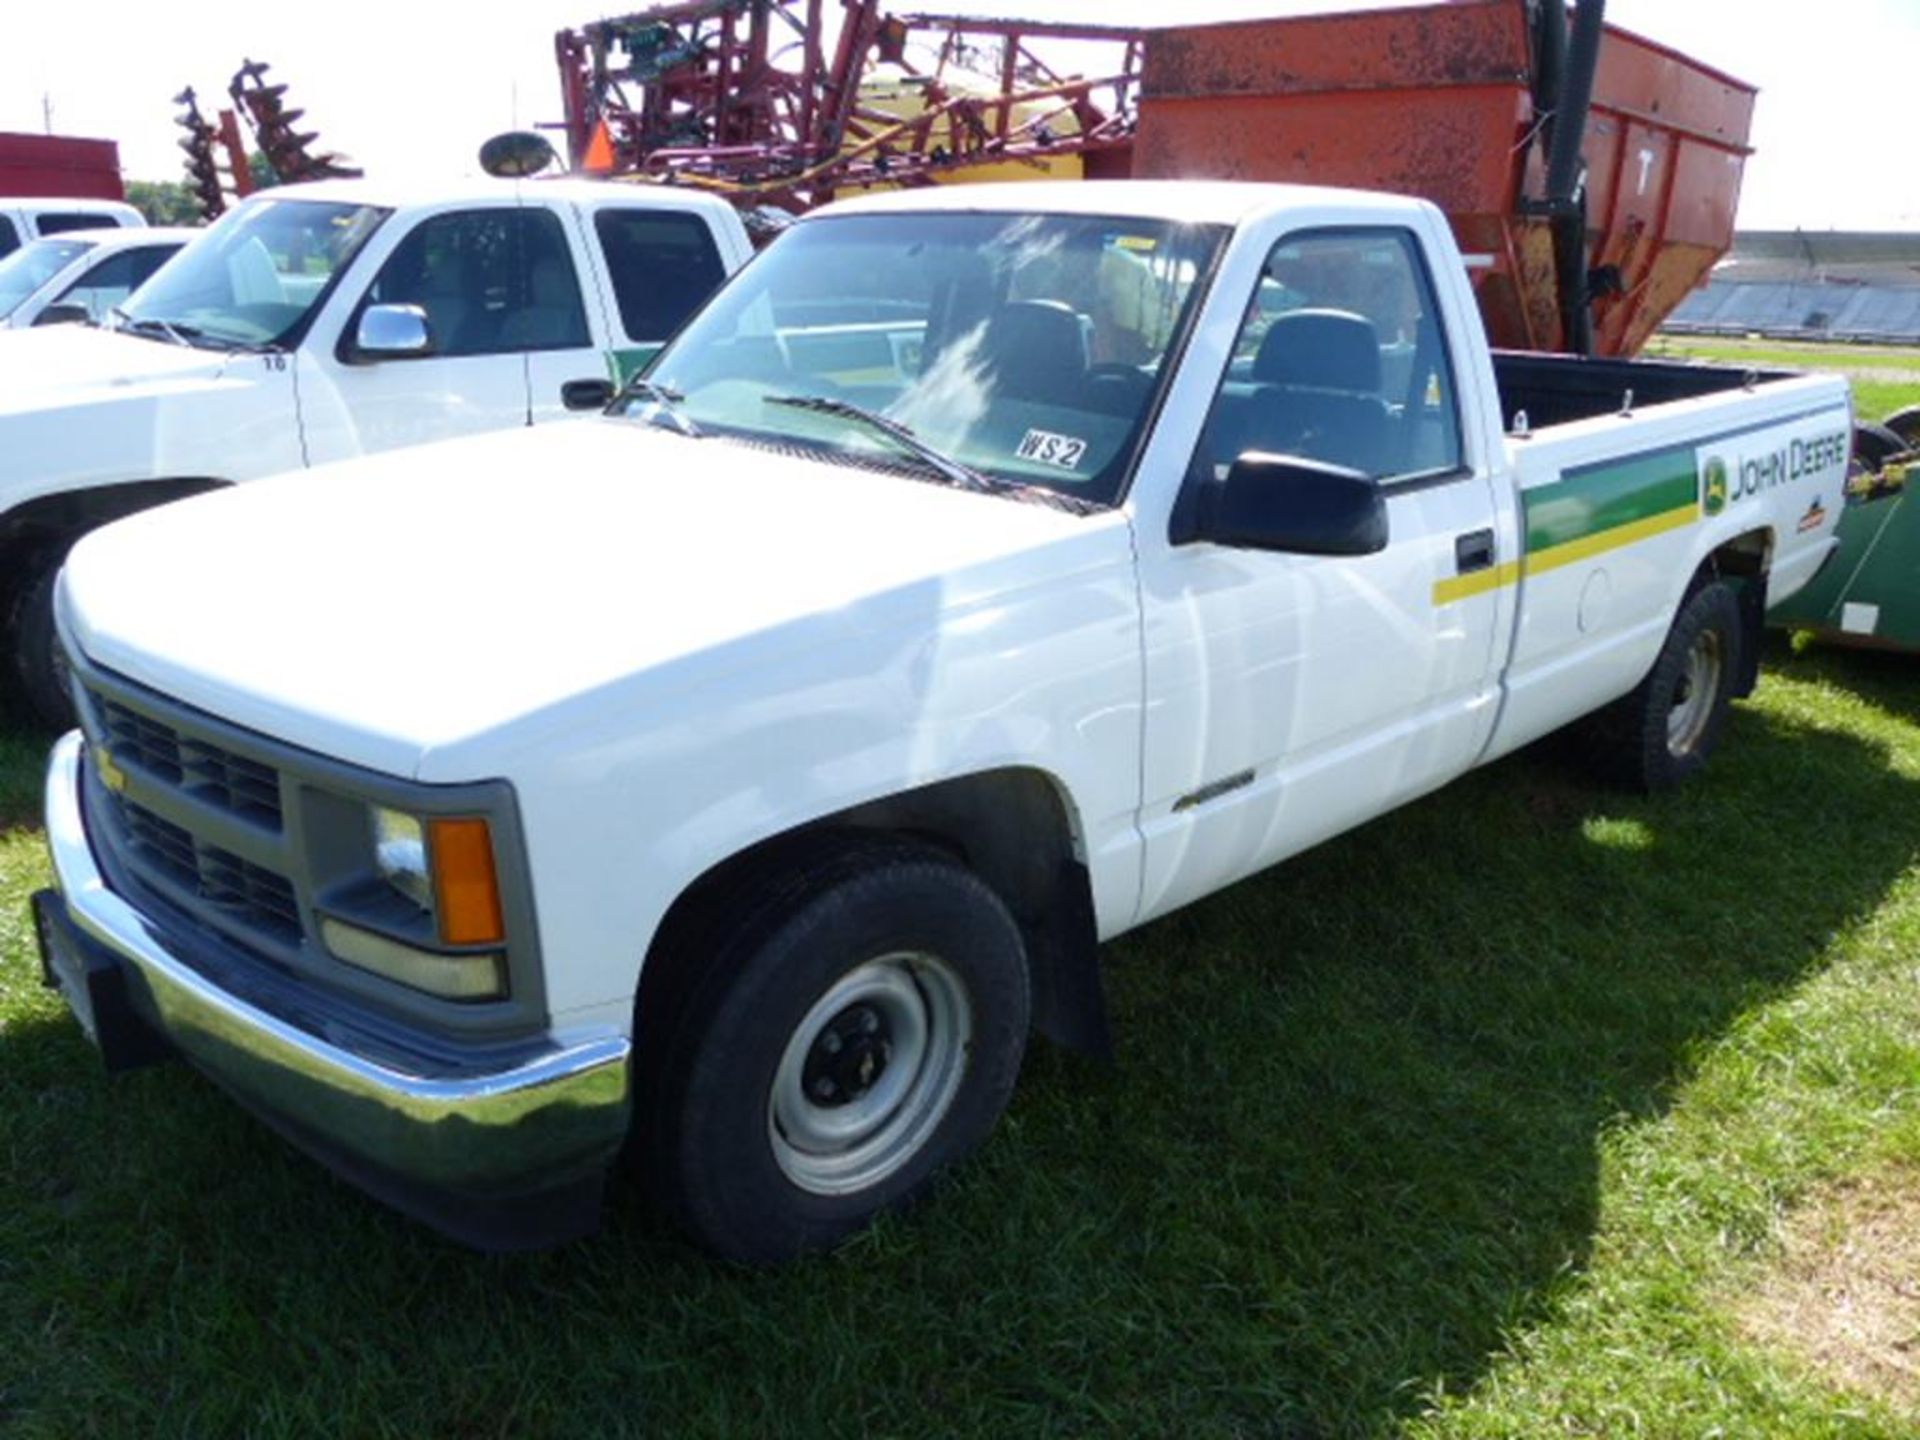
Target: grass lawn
column 1885, row 378
column 1486, row 1119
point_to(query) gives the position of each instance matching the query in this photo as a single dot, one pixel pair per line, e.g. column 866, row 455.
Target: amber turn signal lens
column 466, row 891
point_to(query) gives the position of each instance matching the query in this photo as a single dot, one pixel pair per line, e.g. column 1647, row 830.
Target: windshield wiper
column 165, row 328
column 666, row 401
column 954, row 472
column 964, row 476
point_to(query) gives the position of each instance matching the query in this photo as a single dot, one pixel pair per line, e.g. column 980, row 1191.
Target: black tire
column 1875, row 444
column 1906, row 424
column 1665, row 729
column 36, row 670
column 760, row 1055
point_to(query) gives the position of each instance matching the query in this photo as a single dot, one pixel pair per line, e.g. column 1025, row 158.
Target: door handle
column 587, row 394
column 1473, row 551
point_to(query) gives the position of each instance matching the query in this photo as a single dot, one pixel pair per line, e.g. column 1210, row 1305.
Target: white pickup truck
column 319, row 322
column 983, row 573
column 25, row 218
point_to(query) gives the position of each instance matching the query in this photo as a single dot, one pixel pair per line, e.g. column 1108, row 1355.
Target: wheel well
column 1013, row 828
column 1744, row 562
column 63, row 518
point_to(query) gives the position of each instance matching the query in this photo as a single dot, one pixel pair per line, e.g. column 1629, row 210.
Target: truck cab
column 24, row 218
column 83, row 275
column 322, row 322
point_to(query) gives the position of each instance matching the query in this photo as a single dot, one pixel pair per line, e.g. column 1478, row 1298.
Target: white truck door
column 1293, row 696
column 562, row 330
column 659, row 265
column 471, row 271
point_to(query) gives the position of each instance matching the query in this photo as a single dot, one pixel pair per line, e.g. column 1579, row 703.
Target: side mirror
column 65, row 314
column 1292, row 505
column 517, row 153
column 393, row 332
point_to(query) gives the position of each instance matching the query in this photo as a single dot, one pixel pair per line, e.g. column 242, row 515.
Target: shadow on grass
column 23, row 763
column 1352, row 1142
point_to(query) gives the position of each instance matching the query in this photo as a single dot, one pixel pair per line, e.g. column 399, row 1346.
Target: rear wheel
column 1906, row 424
column 860, row 1028
column 36, row 670
column 1664, row 729
column 1874, row 444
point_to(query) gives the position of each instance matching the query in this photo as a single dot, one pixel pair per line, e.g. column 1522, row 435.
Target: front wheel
column 36, row 668
column 1664, row 729
column 861, row 1028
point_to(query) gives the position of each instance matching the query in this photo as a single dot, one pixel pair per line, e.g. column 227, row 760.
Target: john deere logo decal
column 1714, row 494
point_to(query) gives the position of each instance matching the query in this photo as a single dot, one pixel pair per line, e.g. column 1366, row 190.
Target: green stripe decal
column 630, row 361
column 1591, row 510
column 1606, row 497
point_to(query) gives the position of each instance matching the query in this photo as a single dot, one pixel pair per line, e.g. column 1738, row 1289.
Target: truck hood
column 386, row 610
column 63, row 365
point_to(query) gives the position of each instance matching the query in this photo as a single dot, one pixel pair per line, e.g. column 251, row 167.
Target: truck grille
column 204, row 770
column 250, row 894
column 162, row 823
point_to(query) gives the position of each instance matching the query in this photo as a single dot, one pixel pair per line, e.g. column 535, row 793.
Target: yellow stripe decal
column 1461, row 587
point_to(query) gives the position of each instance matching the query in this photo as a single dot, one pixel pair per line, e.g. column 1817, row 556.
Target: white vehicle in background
column 321, row 322
column 25, row 218
column 985, row 572
column 83, row 275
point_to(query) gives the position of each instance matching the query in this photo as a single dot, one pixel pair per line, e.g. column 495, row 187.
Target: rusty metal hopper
column 1447, row 102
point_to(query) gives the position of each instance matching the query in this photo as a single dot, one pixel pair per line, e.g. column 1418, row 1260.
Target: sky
column 411, row 89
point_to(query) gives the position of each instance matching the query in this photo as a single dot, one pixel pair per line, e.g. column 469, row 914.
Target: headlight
column 400, row 852
column 445, row 867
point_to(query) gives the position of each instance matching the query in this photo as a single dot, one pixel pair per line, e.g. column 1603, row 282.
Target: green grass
column 1885, row 378
column 1464, row 1122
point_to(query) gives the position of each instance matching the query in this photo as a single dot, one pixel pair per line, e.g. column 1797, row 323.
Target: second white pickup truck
column 319, row 322
column 983, row 573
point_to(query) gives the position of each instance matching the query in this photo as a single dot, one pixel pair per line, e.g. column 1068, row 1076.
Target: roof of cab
column 1219, row 202
column 127, row 237
column 486, row 190
column 73, row 205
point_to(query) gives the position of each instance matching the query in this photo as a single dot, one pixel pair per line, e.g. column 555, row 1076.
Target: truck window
column 1029, row 347
column 1341, row 359
column 111, row 281
column 32, row 266
column 492, row 282
column 257, row 275
column 663, row 267
column 61, row 222
column 9, row 237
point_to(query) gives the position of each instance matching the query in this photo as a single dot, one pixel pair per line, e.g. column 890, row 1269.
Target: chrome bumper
column 467, row 1146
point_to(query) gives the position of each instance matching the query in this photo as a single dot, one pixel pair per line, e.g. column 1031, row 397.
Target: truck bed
column 1557, row 389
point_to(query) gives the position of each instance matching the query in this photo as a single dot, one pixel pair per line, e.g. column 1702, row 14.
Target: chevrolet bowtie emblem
column 110, row 773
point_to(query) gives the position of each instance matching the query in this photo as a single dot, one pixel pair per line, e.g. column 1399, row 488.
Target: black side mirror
column 1292, row 505
column 65, row 314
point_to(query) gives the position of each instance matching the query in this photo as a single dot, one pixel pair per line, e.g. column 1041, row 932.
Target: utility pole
column 46, row 110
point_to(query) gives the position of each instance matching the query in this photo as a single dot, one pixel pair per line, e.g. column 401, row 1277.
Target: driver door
column 470, row 272
column 1297, row 695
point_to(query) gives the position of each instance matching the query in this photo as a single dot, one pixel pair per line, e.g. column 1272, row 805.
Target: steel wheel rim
column 862, row 1133
column 1693, row 698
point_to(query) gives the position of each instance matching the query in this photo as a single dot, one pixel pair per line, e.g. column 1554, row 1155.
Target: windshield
column 1026, row 348
column 256, row 275
column 31, row 266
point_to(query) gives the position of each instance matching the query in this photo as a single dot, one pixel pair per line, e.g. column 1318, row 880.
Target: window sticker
column 1063, row 452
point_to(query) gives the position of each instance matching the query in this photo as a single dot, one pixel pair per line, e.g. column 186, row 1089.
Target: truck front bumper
column 501, row 1148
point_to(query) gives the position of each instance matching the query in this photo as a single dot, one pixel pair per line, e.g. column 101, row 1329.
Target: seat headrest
column 1327, row 349
column 1035, row 344
column 551, row 283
